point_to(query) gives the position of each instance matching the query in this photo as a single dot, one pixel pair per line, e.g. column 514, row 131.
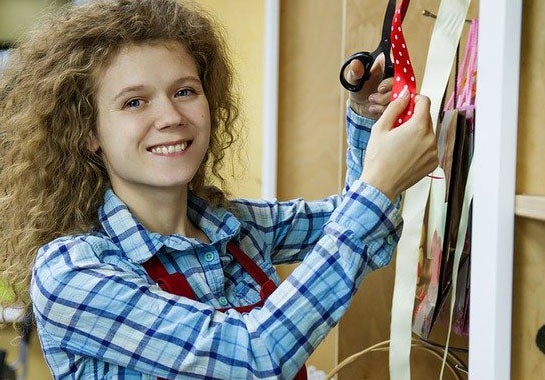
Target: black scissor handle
column 367, row 60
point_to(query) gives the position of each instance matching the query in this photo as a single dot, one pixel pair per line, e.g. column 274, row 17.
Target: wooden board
column 309, row 159
column 528, row 362
column 309, row 121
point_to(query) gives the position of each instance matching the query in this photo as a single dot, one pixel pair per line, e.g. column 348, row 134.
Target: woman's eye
column 184, row 92
column 133, row 103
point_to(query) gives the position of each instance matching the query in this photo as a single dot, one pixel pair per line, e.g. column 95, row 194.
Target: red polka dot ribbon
column 403, row 70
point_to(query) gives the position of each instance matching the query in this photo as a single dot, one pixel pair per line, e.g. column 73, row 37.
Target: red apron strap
column 174, row 283
column 267, row 285
column 155, row 268
column 244, row 260
column 302, row 374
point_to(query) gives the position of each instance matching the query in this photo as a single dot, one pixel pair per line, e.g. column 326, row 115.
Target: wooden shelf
column 530, row 206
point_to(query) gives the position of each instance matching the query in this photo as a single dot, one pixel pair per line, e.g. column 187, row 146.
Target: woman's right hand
column 374, row 97
column 397, row 158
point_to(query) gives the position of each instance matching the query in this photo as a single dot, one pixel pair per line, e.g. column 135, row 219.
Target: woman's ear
column 92, row 143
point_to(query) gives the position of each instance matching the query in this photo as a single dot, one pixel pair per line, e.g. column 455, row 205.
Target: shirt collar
column 139, row 244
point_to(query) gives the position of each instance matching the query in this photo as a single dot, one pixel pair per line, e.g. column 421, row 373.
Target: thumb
column 391, row 113
column 355, row 71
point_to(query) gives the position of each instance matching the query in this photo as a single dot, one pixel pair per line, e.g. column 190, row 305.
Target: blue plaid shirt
column 100, row 316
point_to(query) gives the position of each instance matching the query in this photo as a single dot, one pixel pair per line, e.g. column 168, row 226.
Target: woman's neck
column 163, row 211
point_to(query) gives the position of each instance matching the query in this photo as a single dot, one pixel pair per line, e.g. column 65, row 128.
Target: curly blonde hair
column 51, row 184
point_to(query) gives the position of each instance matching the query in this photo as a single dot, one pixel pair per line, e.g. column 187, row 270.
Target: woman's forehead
column 134, row 55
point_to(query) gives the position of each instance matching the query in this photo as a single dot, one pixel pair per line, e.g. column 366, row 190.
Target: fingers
column 398, row 158
column 356, row 69
column 385, row 87
column 379, row 100
column 373, row 98
column 420, row 127
column 378, row 66
column 421, row 106
column 391, row 112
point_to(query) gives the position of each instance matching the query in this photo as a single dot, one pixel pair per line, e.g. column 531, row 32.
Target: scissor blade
column 385, row 42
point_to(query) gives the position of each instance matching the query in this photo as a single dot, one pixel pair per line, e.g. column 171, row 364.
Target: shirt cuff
column 358, row 128
column 367, row 213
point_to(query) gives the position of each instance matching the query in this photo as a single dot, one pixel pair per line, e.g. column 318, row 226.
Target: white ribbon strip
column 444, row 41
column 443, row 44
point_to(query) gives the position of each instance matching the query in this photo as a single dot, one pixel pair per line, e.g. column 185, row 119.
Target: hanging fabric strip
column 403, row 69
column 460, row 242
column 465, row 100
column 467, row 72
column 444, row 40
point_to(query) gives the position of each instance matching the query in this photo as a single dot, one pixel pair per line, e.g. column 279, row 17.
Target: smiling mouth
column 170, row 149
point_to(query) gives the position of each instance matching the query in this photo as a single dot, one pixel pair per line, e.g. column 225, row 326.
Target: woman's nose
column 168, row 114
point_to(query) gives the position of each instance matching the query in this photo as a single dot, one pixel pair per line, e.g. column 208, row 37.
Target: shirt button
column 223, row 301
column 209, row 256
column 390, row 239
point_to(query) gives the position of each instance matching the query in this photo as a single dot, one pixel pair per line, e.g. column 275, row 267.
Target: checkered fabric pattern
column 99, row 315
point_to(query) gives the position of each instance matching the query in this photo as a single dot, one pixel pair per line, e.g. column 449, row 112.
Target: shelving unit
column 530, row 206
column 494, row 185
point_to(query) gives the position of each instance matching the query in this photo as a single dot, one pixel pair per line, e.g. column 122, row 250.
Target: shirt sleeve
column 290, row 229
column 358, row 237
column 90, row 307
column 358, row 131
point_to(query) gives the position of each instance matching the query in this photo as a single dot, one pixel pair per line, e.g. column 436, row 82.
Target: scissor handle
column 367, row 60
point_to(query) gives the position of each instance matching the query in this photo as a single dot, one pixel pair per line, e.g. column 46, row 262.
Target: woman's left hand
column 374, row 97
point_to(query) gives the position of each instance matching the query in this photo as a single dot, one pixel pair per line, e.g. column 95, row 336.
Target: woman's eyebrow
column 128, row 89
column 189, row 78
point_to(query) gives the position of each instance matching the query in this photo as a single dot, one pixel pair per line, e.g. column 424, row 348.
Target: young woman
column 115, row 117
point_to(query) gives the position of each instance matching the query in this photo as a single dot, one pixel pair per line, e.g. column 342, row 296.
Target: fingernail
column 404, row 93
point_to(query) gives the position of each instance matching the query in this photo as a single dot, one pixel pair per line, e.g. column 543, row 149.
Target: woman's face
column 153, row 118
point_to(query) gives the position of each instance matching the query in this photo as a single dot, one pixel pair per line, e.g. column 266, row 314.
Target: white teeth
column 169, row 149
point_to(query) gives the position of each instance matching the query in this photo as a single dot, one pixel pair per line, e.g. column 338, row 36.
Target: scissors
column 367, row 59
